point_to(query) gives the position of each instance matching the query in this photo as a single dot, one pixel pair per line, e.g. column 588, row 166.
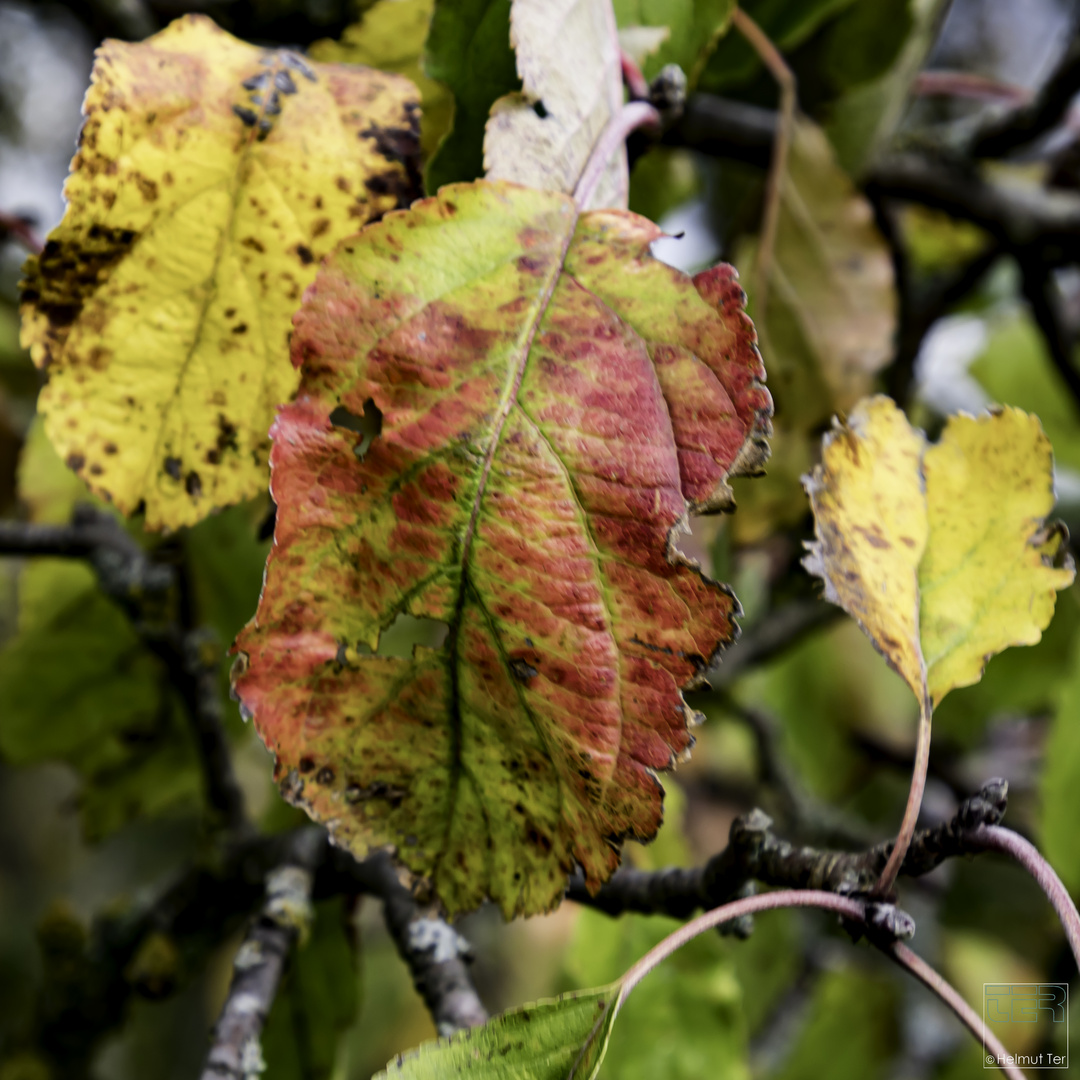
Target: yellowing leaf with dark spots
column 390, row 36
column 508, row 408
column 211, row 177
column 941, row 552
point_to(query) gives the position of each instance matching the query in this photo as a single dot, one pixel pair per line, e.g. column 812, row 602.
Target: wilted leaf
column 553, row 401
column 468, row 51
column 571, row 87
column 390, row 36
column 942, row 553
column 210, row 180
column 558, row 1039
column 693, row 29
column 831, row 286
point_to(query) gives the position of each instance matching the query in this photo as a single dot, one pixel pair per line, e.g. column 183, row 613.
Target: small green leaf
column 468, row 50
column 549, row 1040
column 694, row 28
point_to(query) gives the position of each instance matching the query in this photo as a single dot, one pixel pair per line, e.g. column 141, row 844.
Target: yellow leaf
column 942, row 553
column 211, row 178
column 568, row 59
column 988, row 579
column 390, row 37
column 872, row 528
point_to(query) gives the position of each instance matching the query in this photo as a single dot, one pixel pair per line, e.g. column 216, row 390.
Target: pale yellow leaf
column 568, row 59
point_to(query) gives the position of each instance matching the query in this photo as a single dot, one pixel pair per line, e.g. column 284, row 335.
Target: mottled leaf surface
column 553, row 402
column 549, row 1040
column 941, row 552
column 571, row 87
column 390, row 36
column 211, row 178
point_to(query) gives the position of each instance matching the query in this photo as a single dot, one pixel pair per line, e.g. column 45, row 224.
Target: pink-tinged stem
column 633, row 115
column 828, row 901
column 967, row 84
column 968, row 1016
column 636, row 83
column 997, row 838
column 770, row 218
column 914, row 803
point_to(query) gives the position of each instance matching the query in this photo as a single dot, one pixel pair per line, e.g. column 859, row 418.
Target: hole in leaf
column 406, row 631
column 538, row 108
column 369, row 425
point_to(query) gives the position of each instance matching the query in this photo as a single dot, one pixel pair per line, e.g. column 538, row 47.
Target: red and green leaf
column 554, row 402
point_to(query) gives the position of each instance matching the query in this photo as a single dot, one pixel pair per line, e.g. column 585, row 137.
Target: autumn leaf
column 390, row 36
column 210, row 179
column 571, row 87
column 553, row 403
column 832, row 300
column 557, row 1039
column 941, row 552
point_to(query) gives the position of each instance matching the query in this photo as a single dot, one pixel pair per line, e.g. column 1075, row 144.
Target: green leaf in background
column 225, row 561
column 867, row 113
column 694, row 26
column 1015, row 369
column 77, row 685
column 547, row 1040
column 468, row 51
column 829, row 323
column 663, row 179
column 390, row 36
column 1059, row 786
column 787, row 23
column 850, row 1032
column 317, row 1002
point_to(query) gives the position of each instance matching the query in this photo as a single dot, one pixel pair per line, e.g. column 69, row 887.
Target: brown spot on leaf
column 193, row 484
column 75, row 461
column 304, row 254
column 172, row 467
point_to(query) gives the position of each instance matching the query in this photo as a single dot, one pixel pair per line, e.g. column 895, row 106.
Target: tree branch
column 755, row 852
column 146, row 590
column 435, row 953
column 16, row 228
column 1003, row 134
column 1041, row 291
column 286, row 916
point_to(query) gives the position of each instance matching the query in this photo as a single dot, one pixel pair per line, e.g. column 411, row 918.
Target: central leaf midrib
column 453, row 650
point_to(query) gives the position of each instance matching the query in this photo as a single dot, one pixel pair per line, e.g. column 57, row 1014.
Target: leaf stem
column 914, row 802
column 842, row 905
column 922, row 971
column 998, row 838
column 633, row 115
column 770, row 218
